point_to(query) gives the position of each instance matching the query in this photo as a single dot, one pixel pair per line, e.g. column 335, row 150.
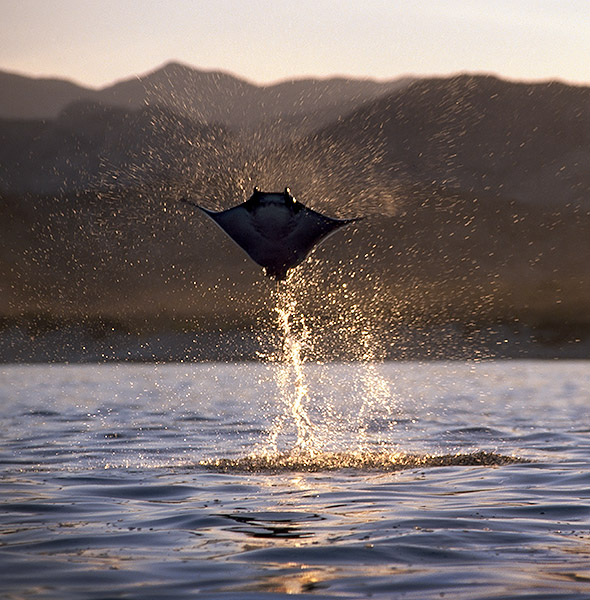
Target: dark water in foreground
column 336, row 481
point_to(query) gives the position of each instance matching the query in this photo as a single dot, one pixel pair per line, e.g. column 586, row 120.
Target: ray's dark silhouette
column 274, row 229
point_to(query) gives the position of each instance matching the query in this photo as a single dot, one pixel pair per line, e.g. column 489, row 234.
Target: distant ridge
column 475, row 134
column 208, row 96
column 23, row 97
column 470, row 134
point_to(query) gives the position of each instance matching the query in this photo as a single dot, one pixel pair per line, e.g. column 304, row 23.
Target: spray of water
column 317, row 413
column 291, row 379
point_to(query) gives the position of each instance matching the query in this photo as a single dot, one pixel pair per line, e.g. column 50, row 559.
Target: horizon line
column 307, row 77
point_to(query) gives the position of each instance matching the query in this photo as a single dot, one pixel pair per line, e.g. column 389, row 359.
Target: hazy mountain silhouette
column 477, row 190
column 209, row 97
column 471, row 134
column 23, row 97
column 91, row 146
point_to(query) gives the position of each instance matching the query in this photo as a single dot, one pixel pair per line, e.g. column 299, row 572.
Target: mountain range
column 208, row 97
column 477, row 192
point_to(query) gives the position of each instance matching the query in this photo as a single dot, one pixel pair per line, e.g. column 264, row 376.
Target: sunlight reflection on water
column 186, row 507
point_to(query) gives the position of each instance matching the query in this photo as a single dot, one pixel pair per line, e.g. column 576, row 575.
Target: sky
column 97, row 42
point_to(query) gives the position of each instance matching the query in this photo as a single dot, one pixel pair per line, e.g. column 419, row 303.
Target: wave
column 312, row 462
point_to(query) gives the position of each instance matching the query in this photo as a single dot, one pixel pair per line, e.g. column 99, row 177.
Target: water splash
column 290, row 377
column 318, row 420
column 315, row 414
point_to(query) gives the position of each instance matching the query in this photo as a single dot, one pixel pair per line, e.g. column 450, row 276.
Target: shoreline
column 76, row 344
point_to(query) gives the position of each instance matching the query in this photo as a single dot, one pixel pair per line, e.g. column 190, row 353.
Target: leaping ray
column 275, row 230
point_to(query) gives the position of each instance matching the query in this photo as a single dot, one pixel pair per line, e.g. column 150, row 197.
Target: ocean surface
column 264, row 481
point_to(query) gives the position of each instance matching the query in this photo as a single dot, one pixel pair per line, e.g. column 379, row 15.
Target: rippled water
column 455, row 480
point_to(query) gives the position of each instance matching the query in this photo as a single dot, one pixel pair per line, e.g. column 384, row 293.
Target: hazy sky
column 95, row 42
